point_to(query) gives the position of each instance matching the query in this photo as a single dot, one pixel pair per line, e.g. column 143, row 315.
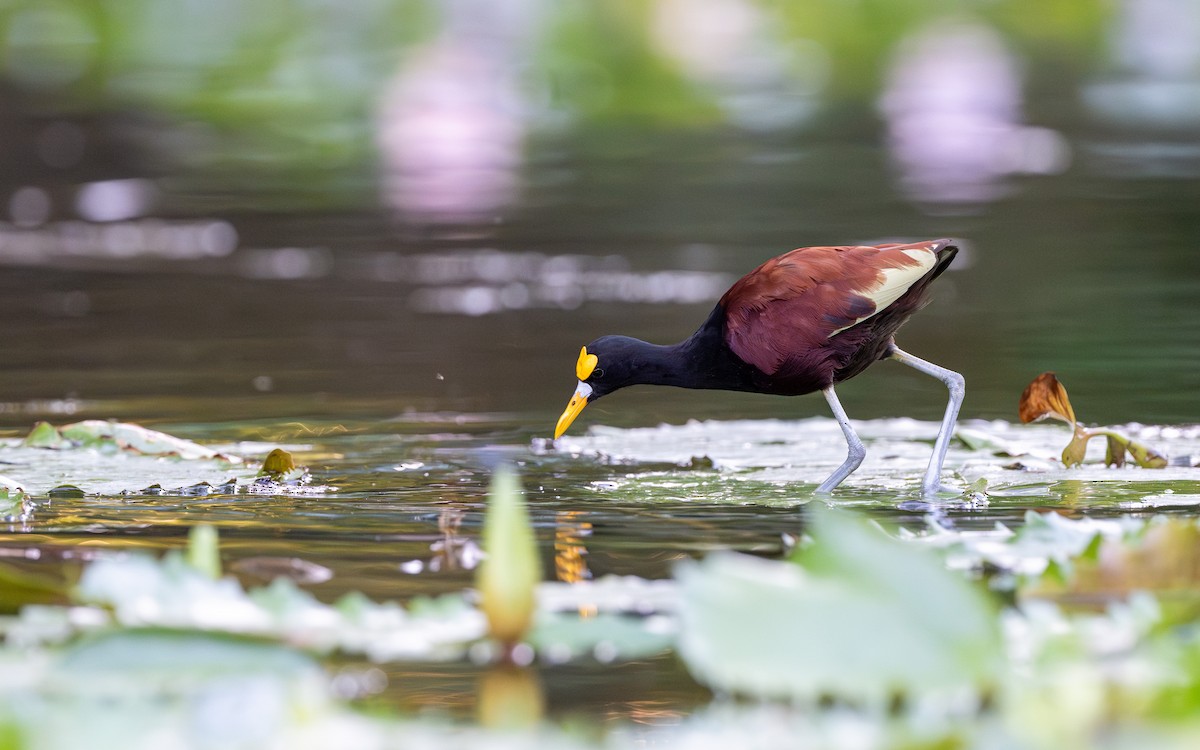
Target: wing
column 801, row 299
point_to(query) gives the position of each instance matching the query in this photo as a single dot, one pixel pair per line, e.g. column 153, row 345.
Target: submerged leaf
column 1045, row 397
column 508, row 577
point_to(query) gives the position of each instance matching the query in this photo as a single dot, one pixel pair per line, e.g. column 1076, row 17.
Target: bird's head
column 603, row 367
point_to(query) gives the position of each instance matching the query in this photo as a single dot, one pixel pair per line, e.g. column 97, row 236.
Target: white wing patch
column 896, row 281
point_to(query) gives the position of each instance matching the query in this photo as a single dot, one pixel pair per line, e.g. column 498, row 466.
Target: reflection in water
column 452, row 122
column 1156, row 45
column 953, row 108
column 47, row 45
column 115, row 200
column 64, row 243
column 29, row 207
column 569, row 547
column 481, row 282
column 510, row 697
column 61, row 144
column 451, row 552
column 450, row 132
column 570, row 551
column 657, row 713
column 734, row 48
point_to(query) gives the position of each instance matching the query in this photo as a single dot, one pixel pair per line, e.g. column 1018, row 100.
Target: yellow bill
column 578, row 401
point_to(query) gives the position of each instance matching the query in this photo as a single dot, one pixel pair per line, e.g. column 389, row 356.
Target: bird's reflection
column 453, row 552
column 570, row 552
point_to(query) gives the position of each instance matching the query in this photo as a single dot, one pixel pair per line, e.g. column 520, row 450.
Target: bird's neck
column 655, row 364
column 701, row 361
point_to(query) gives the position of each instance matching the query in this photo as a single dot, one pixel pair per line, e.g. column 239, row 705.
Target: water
column 403, row 363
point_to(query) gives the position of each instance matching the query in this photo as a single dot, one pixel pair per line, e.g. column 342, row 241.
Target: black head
column 605, row 365
column 610, row 363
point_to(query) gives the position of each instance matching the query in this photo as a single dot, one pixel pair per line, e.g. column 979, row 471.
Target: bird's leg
column 856, row 452
column 957, row 387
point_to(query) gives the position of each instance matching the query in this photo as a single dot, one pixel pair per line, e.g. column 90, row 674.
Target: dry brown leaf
column 1046, row 397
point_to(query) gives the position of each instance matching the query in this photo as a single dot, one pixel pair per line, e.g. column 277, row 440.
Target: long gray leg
column 856, row 452
column 958, row 388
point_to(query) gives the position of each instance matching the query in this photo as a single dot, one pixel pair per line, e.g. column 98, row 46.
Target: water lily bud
column 508, row 577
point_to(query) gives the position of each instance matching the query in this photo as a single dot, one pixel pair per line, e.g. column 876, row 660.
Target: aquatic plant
column 1046, row 398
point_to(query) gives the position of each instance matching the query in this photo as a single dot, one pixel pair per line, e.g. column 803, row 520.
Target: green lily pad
column 862, row 617
column 98, row 457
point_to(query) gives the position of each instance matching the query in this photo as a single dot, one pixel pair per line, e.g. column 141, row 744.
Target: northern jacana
column 802, row 322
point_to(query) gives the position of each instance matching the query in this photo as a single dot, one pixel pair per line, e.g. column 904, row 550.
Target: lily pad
column 757, row 453
column 861, row 617
column 98, row 457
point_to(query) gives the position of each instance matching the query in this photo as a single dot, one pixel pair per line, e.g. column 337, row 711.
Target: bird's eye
column 598, row 373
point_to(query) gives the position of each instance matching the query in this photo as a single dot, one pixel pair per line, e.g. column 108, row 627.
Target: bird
column 801, row 322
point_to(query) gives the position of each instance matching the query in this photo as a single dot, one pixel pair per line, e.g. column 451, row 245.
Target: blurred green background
column 232, row 209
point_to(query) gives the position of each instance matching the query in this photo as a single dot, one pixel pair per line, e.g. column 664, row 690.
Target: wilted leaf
column 1076, row 450
column 509, row 574
column 862, row 617
column 1114, row 451
column 1046, row 397
column 1146, row 457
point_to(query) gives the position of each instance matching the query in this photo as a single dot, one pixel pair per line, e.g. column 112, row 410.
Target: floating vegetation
column 1046, row 398
column 856, row 615
column 277, row 465
column 1033, row 633
column 109, row 435
column 771, row 462
column 105, row 457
